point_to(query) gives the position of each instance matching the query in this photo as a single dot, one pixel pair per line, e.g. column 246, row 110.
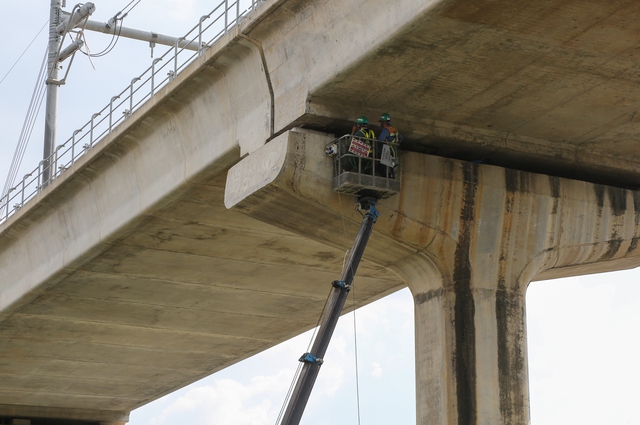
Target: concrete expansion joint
column 267, row 75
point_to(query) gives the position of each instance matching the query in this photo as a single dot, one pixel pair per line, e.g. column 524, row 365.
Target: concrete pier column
column 468, row 284
column 470, row 338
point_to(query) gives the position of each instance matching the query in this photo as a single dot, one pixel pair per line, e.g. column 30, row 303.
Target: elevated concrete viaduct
column 203, row 229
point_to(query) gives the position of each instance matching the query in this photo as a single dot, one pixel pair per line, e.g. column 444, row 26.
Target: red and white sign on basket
column 360, row 148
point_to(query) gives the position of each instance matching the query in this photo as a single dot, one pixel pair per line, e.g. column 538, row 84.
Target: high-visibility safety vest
column 392, row 138
column 393, row 135
column 369, row 134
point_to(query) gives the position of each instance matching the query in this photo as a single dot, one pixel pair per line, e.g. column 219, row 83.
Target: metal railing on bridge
column 164, row 69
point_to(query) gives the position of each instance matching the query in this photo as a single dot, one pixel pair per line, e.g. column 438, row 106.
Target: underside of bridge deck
column 544, row 86
column 145, row 282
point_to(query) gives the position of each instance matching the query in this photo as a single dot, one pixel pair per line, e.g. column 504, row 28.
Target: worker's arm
column 384, row 134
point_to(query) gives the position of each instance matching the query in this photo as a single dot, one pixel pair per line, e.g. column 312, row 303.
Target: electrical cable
column 112, row 44
column 28, row 125
column 132, row 7
column 25, row 51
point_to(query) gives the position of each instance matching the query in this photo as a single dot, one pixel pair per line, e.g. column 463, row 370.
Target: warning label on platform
column 359, row 148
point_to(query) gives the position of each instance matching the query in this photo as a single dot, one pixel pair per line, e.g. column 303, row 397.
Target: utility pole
column 59, row 24
column 53, row 69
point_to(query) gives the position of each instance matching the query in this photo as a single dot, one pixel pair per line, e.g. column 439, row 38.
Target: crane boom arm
column 313, row 359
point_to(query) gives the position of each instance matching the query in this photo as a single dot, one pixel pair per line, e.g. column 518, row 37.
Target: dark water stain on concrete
column 636, row 206
column 613, row 247
column 511, row 180
column 618, row 199
column 511, row 358
column 465, row 339
column 516, row 181
column 599, row 191
column 325, row 256
column 424, row 297
column 554, row 185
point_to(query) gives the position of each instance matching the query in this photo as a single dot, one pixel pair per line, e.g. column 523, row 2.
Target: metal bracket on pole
column 152, row 37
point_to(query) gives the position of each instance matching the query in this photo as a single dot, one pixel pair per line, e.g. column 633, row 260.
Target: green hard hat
column 362, row 120
column 385, row 117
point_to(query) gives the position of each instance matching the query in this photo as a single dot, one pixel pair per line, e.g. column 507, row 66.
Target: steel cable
column 28, row 125
column 25, row 51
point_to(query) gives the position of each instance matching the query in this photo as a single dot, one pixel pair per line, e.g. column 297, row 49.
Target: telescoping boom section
column 313, row 359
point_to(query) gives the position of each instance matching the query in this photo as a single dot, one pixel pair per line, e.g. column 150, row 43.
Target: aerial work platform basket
column 361, row 164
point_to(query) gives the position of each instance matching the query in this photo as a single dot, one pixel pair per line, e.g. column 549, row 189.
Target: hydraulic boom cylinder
column 313, row 360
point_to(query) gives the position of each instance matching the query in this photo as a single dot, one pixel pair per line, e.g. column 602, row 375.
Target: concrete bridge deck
column 128, row 277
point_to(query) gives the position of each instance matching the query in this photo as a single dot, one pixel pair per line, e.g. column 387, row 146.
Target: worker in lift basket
column 387, row 153
column 361, row 130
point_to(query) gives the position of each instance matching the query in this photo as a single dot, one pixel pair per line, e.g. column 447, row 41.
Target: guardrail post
column 8, row 201
column 202, row 19
column 73, row 147
column 153, row 75
column 226, row 16
column 175, row 57
column 55, row 162
column 131, row 95
column 23, row 180
column 111, row 111
column 40, row 182
column 93, row 117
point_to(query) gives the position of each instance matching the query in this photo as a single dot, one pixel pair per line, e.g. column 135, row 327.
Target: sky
column 582, row 332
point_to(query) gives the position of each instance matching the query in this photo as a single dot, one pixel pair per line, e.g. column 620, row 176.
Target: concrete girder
column 56, row 414
column 541, row 86
column 146, row 283
column 467, row 239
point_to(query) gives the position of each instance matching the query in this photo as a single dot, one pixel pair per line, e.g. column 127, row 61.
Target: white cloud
column 230, row 402
column 583, row 350
column 376, row 370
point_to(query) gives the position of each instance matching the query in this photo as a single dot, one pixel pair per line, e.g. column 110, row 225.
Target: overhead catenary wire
column 40, row 89
column 124, row 10
column 112, row 43
column 116, row 32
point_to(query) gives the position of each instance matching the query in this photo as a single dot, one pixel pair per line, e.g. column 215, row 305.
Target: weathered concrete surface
column 127, row 278
column 544, row 86
column 467, row 239
column 128, row 270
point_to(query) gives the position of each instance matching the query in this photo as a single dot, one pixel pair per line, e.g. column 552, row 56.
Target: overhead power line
column 27, row 127
column 25, row 51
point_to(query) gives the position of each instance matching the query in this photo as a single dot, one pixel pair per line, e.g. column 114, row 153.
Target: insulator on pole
column 72, row 21
column 70, row 49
